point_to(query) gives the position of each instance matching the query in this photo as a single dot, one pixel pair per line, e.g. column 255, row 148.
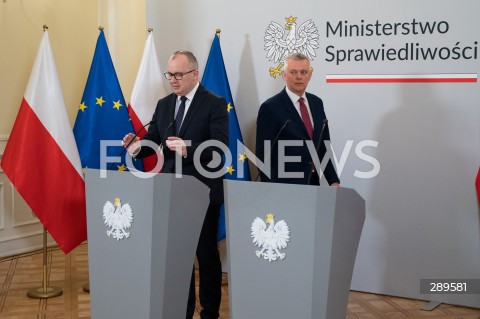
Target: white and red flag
column 41, row 158
column 147, row 90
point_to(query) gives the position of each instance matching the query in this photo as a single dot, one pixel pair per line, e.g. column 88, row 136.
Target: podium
column 312, row 280
column 147, row 274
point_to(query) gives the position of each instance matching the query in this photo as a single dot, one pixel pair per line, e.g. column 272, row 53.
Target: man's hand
column 134, row 146
column 176, row 144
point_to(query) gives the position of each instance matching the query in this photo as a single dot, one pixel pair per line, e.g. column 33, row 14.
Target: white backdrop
column 417, row 144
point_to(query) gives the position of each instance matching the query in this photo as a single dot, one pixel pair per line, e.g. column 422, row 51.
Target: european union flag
column 215, row 79
column 102, row 114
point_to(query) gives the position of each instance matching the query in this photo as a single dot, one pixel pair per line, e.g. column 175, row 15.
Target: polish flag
column 41, row 158
column 147, row 90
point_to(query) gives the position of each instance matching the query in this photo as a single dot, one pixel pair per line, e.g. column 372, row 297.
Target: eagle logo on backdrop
column 118, row 218
column 283, row 41
column 270, row 238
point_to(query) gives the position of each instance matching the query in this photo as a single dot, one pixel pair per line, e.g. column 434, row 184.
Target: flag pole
column 86, row 286
column 224, row 274
column 44, row 291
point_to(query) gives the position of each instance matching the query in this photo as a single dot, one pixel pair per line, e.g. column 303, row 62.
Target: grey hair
column 192, row 60
column 295, row 56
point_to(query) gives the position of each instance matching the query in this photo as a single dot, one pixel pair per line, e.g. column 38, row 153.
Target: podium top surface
column 269, row 187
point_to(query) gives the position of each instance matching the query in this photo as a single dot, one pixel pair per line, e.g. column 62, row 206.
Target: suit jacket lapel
column 287, row 103
column 317, row 120
column 293, row 112
column 192, row 109
column 172, row 104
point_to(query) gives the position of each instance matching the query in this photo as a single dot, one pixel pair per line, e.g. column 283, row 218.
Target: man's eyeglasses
column 177, row 76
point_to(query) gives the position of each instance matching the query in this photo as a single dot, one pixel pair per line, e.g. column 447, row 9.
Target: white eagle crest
column 279, row 46
column 270, row 239
column 118, row 218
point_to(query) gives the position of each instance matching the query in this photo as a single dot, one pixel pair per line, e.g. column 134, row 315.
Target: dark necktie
column 306, row 118
column 180, row 112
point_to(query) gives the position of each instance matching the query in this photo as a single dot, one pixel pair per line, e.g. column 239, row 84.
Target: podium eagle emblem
column 118, row 218
column 270, row 238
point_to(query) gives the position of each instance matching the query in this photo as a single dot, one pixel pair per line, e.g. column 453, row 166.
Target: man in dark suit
column 296, row 117
column 182, row 121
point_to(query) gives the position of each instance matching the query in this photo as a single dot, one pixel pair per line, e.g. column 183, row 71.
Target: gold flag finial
column 150, row 29
column 45, row 27
column 100, row 27
column 217, row 32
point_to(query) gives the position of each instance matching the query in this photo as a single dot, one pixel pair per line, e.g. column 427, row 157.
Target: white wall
column 422, row 214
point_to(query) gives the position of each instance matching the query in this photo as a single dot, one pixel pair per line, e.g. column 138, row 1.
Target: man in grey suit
column 182, row 121
column 296, row 116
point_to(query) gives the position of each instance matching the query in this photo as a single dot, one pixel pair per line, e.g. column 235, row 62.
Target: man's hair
column 192, row 60
column 295, row 56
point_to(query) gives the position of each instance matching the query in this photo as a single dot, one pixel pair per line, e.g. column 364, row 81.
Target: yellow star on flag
column 83, row 106
column 122, row 168
column 100, row 101
column 242, row 157
column 230, row 170
column 229, row 107
column 116, row 105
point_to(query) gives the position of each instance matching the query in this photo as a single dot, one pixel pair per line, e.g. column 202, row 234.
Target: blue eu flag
column 215, row 79
column 102, row 114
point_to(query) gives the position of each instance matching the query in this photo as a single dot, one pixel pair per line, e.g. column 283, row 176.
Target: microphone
column 275, row 140
column 130, row 143
column 163, row 138
column 317, row 149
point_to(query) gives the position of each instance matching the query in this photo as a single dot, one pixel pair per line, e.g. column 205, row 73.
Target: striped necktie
column 180, row 113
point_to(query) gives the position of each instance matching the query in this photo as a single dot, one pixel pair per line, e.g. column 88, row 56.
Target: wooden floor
column 20, row 273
